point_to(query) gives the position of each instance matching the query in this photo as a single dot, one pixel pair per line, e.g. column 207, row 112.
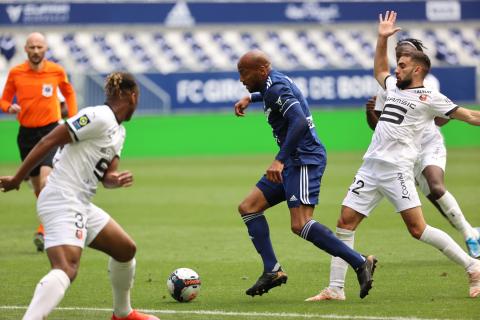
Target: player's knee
column 128, row 253
column 297, row 227
column 346, row 223
column 71, row 269
column 245, row 208
column 437, row 190
column 415, row 232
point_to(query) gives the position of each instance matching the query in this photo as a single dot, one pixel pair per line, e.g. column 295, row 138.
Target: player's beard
column 403, row 84
column 36, row 59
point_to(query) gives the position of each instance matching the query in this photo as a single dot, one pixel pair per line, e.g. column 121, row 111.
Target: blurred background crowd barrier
column 184, row 53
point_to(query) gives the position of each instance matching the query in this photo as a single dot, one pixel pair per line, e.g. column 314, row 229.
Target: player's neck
column 416, row 84
column 37, row 67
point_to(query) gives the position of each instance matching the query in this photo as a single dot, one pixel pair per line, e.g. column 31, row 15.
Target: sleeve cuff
column 256, row 97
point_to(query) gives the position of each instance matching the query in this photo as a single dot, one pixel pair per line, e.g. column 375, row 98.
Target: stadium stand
column 199, row 49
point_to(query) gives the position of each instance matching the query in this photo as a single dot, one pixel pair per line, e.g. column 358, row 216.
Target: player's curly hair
column 117, row 83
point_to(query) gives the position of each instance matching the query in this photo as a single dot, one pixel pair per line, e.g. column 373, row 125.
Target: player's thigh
column 302, row 185
column 398, row 186
column 265, row 194
column 65, row 220
column 114, row 241
column 430, row 167
column 363, row 194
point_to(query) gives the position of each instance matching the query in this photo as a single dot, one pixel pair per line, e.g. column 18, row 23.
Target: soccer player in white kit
column 429, row 168
column 91, row 144
column 387, row 170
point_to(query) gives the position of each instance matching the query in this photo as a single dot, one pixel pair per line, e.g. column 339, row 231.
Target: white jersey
column 406, row 113
column 80, row 165
column 431, row 132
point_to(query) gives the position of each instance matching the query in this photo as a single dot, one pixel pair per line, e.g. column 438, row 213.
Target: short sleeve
column 390, row 83
column 441, row 106
column 88, row 123
column 280, row 97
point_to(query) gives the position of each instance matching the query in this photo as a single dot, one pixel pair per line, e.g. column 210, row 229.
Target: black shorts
column 27, row 138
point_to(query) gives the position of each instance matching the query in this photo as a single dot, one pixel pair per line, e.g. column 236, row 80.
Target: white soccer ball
column 184, row 284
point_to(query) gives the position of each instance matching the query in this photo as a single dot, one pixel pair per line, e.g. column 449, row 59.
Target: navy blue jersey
column 293, row 128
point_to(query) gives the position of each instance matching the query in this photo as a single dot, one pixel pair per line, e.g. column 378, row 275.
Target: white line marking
column 236, row 314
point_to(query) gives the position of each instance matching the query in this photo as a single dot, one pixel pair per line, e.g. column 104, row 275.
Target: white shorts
column 377, row 179
column 433, row 154
column 66, row 220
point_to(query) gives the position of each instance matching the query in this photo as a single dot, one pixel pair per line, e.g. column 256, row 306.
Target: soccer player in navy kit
column 294, row 175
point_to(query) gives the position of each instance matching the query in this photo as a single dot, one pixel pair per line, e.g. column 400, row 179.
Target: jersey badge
column 79, row 234
column 47, row 90
column 267, row 112
column 279, row 101
column 81, row 122
column 423, row 97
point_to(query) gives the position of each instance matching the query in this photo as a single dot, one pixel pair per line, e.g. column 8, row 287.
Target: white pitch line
column 237, row 314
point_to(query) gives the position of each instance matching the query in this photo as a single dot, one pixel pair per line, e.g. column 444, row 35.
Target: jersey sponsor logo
column 47, row 90
column 81, row 122
column 400, row 101
column 403, row 185
column 423, row 97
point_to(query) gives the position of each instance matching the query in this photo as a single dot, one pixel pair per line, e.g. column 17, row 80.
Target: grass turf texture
column 182, row 213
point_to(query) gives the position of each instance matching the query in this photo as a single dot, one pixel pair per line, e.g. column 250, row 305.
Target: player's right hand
column 370, row 105
column 241, row 105
column 14, row 108
column 386, row 25
column 8, row 183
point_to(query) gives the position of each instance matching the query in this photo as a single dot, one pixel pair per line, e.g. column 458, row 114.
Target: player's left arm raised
column 116, row 179
column 467, row 115
column 57, row 137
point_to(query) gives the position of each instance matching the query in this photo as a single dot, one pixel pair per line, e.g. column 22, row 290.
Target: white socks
column 454, row 214
column 338, row 266
column 447, row 246
column 48, row 293
column 121, row 277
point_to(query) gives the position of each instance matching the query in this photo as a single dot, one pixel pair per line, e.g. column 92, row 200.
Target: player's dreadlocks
column 118, row 82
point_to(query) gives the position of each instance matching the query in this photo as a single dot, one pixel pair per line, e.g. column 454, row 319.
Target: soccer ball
column 184, row 284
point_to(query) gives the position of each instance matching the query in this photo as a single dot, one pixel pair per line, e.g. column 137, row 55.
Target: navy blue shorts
column 301, row 185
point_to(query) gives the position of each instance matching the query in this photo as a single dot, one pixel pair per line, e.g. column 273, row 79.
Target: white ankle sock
column 447, row 246
column 121, row 277
column 48, row 293
column 454, row 214
column 338, row 266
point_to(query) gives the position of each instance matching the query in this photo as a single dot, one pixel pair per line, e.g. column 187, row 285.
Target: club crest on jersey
column 79, row 234
column 81, row 122
column 279, row 101
column 47, row 90
column 423, row 97
column 267, row 112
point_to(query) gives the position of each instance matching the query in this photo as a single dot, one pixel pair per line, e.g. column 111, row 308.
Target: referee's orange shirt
column 36, row 93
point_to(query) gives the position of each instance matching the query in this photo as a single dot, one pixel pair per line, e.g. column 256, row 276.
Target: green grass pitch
column 182, row 212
